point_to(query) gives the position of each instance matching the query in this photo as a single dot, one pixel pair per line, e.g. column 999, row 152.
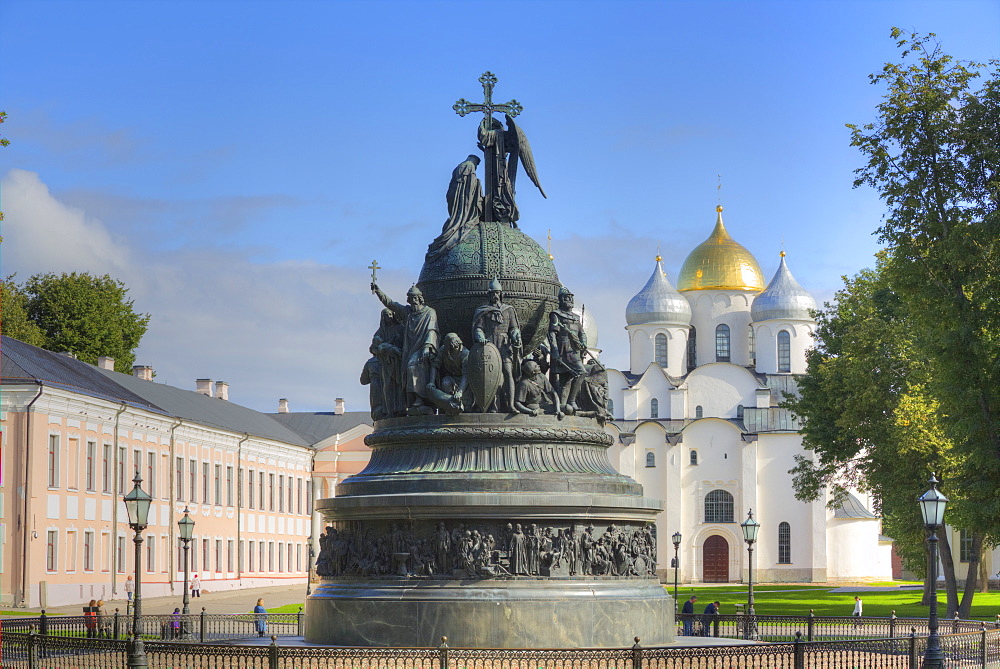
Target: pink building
column 73, row 436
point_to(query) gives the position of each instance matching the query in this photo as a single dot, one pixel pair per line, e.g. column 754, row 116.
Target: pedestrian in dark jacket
column 687, row 615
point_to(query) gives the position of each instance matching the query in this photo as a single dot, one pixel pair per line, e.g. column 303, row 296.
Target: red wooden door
column 715, row 560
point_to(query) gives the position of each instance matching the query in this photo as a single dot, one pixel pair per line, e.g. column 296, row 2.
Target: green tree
column 933, row 402
column 14, row 321
column 87, row 315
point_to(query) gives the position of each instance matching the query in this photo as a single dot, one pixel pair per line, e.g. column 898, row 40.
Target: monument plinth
column 489, row 511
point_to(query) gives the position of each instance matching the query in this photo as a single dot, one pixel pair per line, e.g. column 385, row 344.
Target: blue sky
column 239, row 164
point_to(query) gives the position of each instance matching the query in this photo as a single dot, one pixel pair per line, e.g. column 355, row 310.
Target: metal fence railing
column 965, row 644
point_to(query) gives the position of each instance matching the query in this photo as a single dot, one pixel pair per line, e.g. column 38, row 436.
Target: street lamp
column 932, row 505
column 186, row 527
column 676, row 538
column 137, row 506
column 750, row 529
column 309, row 569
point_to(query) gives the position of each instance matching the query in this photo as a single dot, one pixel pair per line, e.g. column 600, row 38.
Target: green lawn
column 772, row 600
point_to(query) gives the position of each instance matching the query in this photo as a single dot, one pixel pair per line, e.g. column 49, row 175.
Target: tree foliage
column 87, row 315
column 905, row 378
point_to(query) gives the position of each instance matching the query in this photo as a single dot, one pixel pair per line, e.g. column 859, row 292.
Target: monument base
column 520, row 612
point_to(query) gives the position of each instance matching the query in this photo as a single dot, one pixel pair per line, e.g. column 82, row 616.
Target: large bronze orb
column 455, row 283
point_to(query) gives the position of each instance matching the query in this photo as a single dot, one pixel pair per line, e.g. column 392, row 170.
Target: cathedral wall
column 616, row 391
column 711, row 308
column 654, row 385
column 641, row 349
column 848, row 560
column 719, row 389
column 766, row 345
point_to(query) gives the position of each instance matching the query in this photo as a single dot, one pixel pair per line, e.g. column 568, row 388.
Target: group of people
column 413, row 371
column 709, row 618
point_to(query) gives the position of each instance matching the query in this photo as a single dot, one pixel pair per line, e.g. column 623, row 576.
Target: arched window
column 611, row 407
column 739, row 411
column 693, row 457
column 650, row 459
column 654, row 408
column 692, row 349
column 784, row 351
column 660, row 350
column 699, row 412
column 722, row 343
column 752, row 339
column 718, row 507
column 784, row 543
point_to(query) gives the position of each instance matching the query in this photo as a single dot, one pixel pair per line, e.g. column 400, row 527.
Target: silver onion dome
column 783, row 298
column 658, row 302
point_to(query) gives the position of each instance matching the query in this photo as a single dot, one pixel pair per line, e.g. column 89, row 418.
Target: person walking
column 175, row 624
column 710, row 617
column 261, row 621
column 103, row 621
column 195, row 586
column 129, row 588
column 857, row 610
column 687, row 615
column 90, row 618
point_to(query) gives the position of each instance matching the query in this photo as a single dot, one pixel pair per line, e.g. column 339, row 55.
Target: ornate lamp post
column 186, row 527
column 750, row 529
column 676, row 538
column 932, row 505
column 309, row 567
column 137, row 505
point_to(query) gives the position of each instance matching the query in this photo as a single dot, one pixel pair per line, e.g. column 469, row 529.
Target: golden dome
column 720, row 263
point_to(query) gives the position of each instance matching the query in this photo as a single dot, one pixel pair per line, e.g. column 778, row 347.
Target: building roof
column 720, row 263
column 658, row 302
column 24, row 363
column 783, row 299
column 852, row 507
column 315, row 427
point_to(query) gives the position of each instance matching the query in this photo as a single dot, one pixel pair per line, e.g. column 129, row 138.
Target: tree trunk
column 925, row 600
column 984, row 571
column 972, row 576
column 948, row 570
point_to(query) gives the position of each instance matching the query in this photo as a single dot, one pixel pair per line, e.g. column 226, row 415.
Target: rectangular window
column 204, row 484
column 193, row 476
column 53, row 460
column 270, row 492
column 291, row 496
column 309, row 497
column 260, row 564
column 260, row 492
column 88, row 551
column 784, row 351
column 180, row 556
column 90, row 479
column 150, row 553
column 281, row 557
column 73, row 464
column 250, row 556
column 229, row 487
column 240, row 478
column 218, row 485
column 281, row 493
column 298, row 557
column 298, row 495
column 51, row 556
column 205, row 548
column 71, row 551
column 241, row 563
column 120, row 555
column 122, row 466
column 151, row 474
column 250, row 490
column 136, row 462
column 179, row 476
column 193, row 554
column 288, row 551
column 218, row 555
column 229, row 555
column 965, row 546
column 105, row 552
column 106, row 468
column 270, row 556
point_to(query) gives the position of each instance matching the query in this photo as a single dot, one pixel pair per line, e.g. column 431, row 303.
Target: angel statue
column 503, row 150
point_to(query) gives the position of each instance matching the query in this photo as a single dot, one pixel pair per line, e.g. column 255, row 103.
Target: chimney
column 203, row 386
column 222, row 390
column 68, row 354
column 104, row 362
column 282, row 405
column 338, row 406
column 144, row 372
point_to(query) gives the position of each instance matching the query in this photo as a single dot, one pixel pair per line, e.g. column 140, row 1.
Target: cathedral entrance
column 715, row 560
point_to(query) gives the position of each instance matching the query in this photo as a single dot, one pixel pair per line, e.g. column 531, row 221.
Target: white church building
column 698, row 422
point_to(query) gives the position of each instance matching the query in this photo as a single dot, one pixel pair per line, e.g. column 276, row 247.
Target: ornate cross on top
column 373, row 267
column 488, row 80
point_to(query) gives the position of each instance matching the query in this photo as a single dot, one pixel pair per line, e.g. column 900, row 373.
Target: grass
column 287, row 608
column 775, row 600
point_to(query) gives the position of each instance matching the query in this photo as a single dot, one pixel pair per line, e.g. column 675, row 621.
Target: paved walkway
column 229, row 601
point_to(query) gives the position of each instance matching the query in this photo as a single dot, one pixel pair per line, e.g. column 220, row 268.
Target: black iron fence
column 966, row 644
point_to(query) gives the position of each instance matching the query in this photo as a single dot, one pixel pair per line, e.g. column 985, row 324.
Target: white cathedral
column 698, row 422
